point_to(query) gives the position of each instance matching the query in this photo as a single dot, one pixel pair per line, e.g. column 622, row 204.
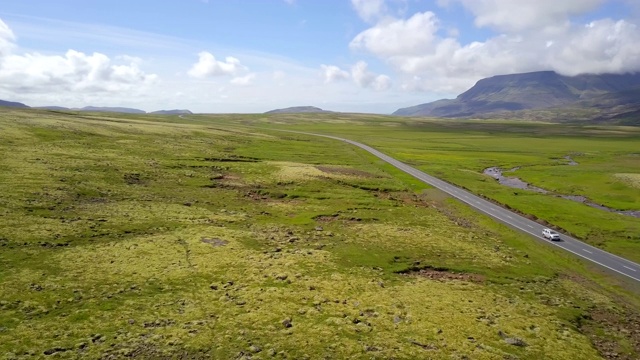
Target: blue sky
column 253, row 56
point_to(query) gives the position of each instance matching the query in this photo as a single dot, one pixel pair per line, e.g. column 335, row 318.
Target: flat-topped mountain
column 298, row 109
column 172, row 112
column 113, row 109
column 535, row 90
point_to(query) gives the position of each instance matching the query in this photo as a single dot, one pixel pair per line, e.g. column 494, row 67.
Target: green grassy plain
column 458, row 151
column 211, row 237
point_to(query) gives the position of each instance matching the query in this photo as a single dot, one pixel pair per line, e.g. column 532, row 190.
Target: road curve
column 610, row 261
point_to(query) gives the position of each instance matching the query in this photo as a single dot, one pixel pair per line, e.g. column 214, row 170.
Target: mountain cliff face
column 536, row 90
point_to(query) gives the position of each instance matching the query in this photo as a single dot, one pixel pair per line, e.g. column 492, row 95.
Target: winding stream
column 516, row 183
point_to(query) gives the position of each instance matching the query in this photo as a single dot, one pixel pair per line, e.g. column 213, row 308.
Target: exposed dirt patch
column 264, row 195
column 618, row 324
column 406, row 198
column 326, row 218
column 623, row 325
column 458, row 220
column 345, row 171
column 151, row 351
column 215, row 242
column 133, row 179
column 441, row 274
column 232, row 158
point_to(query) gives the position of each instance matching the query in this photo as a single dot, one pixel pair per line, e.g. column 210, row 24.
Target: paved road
column 575, row 246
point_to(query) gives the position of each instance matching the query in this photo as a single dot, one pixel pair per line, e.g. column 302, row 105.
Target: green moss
column 145, row 236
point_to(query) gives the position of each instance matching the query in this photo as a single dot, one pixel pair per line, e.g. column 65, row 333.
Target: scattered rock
column 215, row 242
column 159, row 323
column 515, row 341
column 54, row 350
column 36, row 287
column 424, row 346
column 287, row 323
column 319, row 228
column 281, row 277
column 98, row 338
column 254, row 349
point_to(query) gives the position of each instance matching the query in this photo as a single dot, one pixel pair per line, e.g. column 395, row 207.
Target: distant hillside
column 55, row 108
column 113, row 109
column 172, row 112
column 298, row 109
column 531, row 91
column 12, row 104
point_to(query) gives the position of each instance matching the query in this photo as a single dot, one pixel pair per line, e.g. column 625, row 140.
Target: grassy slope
column 141, row 236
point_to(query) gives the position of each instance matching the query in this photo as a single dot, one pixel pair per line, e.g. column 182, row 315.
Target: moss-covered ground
column 162, row 237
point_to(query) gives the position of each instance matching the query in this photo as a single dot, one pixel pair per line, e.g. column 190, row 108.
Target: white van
column 550, row 234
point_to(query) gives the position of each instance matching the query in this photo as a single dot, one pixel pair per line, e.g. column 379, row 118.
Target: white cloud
column 243, row 80
column 518, row 15
column 366, row 79
column 74, row 77
column 600, row 46
column 279, row 75
column 360, row 75
column 208, row 66
column 369, row 10
column 430, row 61
column 73, row 72
column 332, row 73
column 6, row 39
column 399, row 37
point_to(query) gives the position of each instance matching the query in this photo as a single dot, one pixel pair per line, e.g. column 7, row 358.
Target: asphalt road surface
column 612, row 262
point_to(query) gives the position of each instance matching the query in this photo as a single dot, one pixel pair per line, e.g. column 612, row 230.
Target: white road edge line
column 585, row 250
column 632, row 269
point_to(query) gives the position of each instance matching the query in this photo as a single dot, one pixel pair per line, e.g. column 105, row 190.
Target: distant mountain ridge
column 172, row 112
column 12, row 104
column 530, row 91
column 113, row 109
column 298, row 109
column 98, row 109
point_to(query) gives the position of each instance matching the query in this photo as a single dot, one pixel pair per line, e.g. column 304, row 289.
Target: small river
column 516, row 183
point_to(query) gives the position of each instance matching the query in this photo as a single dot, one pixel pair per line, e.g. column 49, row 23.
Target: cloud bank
column 360, row 75
column 71, row 73
column 543, row 36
